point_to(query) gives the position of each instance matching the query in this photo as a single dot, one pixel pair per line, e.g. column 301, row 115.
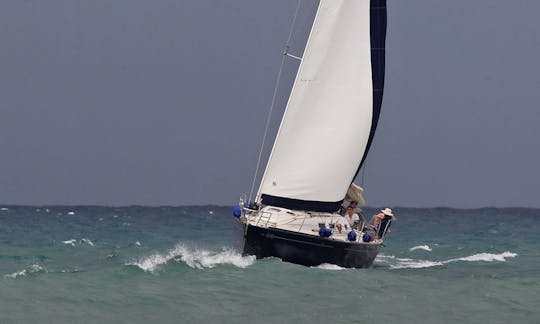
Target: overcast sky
column 164, row 102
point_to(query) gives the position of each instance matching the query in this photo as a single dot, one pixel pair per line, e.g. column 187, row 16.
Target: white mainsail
column 327, row 122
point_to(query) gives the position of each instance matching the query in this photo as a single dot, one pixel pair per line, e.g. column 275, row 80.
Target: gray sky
column 164, row 102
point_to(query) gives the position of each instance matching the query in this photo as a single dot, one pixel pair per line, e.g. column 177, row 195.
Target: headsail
column 332, row 111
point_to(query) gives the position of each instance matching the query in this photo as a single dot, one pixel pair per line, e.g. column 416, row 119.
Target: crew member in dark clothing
column 382, row 221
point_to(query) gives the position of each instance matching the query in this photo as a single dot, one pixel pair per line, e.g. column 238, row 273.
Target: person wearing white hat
column 382, row 221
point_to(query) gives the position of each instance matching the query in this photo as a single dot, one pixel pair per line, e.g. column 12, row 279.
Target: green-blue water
column 179, row 265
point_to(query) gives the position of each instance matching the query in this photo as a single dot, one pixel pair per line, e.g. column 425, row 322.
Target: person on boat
column 354, row 204
column 352, row 219
column 356, row 209
column 382, row 221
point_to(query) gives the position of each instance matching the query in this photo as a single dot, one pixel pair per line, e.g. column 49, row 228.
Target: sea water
column 181, row 265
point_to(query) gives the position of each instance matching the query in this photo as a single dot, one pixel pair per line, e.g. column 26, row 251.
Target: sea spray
column 194, row 258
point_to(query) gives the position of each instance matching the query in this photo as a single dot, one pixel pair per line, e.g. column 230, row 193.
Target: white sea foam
column 34, row 268
column 211, row 212
column 328, row 266
column 421, row 247
column 138, row 243
column 71, row 213
column 195, row 258
column 4, row 209
column 87, row 241
column 70, row 242
column 406, row 263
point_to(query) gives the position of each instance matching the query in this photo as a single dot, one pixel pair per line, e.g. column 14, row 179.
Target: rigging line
column 363, row 173
column 274, row 100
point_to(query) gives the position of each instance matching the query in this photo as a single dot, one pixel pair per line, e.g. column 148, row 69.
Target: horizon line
column 229, row 206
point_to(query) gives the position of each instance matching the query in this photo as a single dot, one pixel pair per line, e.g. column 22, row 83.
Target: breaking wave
column 194, row 258
column 87, row 241
column 70, row 242
column 34, row 268
column 421, row 247
column 82, row 241
column 405, row 263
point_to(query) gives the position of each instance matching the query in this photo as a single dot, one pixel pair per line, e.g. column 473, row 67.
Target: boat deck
column 306, row 223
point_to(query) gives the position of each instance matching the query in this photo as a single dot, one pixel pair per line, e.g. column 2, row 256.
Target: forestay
column 330, row 114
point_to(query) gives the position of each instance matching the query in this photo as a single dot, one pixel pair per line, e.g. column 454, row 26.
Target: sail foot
column 298, row 204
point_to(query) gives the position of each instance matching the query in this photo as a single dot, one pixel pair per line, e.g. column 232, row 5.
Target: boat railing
column 377, row 229
column 386, row 226
column 331, row 221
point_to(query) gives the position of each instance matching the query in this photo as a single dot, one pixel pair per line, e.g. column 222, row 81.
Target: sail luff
column 258, row 197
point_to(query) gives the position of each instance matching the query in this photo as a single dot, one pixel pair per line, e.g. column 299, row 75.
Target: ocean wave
column 421, row 247
column 194, row 258
column 87, row 241
column 70, row 242
column 82, row 241
column 405, row 263
column 34, row 268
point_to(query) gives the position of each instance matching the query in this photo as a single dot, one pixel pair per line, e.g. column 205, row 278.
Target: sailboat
column 322, row 142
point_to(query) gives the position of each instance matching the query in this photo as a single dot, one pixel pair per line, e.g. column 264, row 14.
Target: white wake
column 406, row 263
column 421, row 247
column 487, row 257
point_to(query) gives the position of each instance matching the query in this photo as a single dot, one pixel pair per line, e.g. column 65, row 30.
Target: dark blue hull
column 307, row 250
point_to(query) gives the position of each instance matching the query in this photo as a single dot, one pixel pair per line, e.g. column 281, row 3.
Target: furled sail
column 332, row 111
column 354, row 193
